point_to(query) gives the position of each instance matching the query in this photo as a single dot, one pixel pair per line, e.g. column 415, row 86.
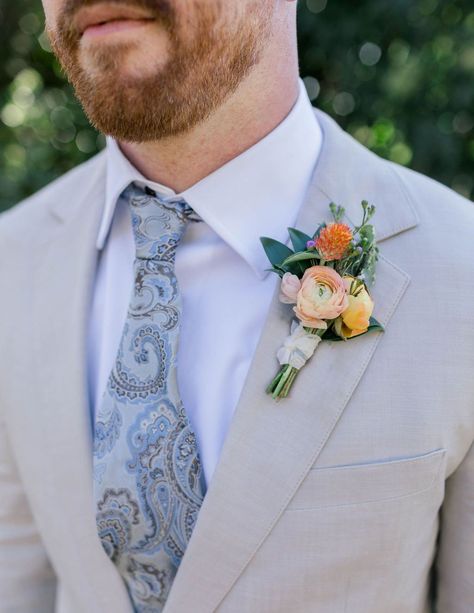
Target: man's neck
column 259, row 104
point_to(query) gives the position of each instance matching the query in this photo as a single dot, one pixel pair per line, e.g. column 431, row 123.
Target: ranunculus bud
column 290, row 286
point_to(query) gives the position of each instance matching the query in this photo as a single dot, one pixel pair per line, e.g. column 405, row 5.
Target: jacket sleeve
column 27, row 581
column 455, row 563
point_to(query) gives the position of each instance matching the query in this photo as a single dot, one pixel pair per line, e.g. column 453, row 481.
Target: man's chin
column 123, row 108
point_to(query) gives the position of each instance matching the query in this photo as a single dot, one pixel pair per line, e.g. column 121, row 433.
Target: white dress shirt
column 220, row 266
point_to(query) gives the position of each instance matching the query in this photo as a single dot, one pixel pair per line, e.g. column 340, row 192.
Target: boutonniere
column 327, row 278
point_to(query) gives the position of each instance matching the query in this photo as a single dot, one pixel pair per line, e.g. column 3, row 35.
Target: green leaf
column 367, row 232
column 318, row 231
column 276, row 251
column 302, row 255
column 369, row 265
column 298, row 239
column 330, row 335
column 374, row 325
column 279, row 271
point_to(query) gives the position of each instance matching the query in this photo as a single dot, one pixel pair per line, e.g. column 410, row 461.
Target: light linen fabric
column 220, row 267
column 330, row 501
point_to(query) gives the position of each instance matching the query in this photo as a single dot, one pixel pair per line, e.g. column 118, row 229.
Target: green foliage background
column 397, row 75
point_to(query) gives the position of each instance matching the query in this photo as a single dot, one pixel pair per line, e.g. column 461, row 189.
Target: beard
column 200, row 73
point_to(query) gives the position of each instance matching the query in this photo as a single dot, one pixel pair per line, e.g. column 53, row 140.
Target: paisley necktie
column 148, row 478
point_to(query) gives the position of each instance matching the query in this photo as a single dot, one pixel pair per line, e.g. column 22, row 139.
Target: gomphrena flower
column 333, row 241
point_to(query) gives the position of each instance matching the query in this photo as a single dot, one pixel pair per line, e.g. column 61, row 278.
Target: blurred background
column 397, row 75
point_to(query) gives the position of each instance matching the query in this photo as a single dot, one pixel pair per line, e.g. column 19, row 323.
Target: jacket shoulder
column 435, row 200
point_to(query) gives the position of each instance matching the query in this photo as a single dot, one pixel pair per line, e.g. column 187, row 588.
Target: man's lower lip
column 111, row 27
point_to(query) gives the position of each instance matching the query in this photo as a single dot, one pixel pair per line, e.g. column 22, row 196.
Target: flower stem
column 286, row 370
column 289, row 382
column 271, row 386
column 282, row 382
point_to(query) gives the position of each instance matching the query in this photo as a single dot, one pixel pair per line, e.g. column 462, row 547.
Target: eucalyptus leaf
column 298, row 239
column 279, row 271
column 330, row 335
column 374, row 325
column 276, row 251
column 318, row 231
column 302, row 255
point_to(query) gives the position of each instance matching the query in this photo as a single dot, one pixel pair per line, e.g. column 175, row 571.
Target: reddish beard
column 201, row 71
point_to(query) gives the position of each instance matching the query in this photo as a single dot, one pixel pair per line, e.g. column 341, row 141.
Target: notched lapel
column 271, row 445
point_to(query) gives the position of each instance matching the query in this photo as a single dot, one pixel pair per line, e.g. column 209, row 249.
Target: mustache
column 161, row 10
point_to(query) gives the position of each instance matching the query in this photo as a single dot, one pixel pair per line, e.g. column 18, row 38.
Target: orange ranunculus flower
column 322, row 296
column 355, row 319
column 333, row 240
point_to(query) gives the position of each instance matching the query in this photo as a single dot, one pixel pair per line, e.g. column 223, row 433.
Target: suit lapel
column 63, row 284
column 271, row 446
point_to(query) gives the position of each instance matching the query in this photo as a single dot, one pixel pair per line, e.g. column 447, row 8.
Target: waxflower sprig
column 326, row 277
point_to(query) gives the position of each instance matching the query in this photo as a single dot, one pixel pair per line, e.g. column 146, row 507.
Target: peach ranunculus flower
column 355, row 319
column 322, row 296
column 289, row 288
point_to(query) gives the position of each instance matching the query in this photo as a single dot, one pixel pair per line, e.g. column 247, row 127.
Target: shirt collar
column 258, row 193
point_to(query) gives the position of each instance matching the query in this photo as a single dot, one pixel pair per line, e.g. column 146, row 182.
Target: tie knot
column 158, row 224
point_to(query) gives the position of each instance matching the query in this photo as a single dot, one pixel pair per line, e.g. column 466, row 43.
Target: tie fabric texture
column 148, row 478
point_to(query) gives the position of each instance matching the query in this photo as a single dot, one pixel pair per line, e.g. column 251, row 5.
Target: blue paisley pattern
column 148, row 479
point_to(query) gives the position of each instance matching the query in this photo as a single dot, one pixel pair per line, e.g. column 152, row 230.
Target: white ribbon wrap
column 298, row 347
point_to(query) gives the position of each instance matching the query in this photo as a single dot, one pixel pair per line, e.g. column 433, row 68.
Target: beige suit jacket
column 329, row 502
